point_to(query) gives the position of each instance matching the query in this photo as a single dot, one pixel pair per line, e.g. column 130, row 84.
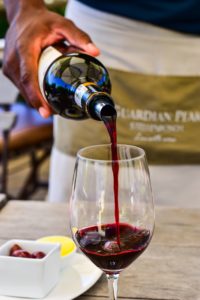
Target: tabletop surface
column 169, row 269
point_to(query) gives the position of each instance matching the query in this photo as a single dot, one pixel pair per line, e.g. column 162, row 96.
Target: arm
column 12, row 7
column 32, row 28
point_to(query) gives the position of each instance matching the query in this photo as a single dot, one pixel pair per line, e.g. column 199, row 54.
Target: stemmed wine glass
column 111, row 209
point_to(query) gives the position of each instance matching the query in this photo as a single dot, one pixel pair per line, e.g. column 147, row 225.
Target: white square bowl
column 29, row 277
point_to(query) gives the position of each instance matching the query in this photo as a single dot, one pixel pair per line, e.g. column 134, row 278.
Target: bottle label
column 48, row 56
column 80, row 91
column 84, row 91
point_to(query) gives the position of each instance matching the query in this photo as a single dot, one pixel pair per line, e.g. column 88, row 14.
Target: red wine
column 101, row 246
column 110, row 123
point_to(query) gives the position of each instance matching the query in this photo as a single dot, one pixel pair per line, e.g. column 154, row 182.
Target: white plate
column 75, row 280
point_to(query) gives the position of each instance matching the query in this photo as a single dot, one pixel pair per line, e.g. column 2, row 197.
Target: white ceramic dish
column 76, row 279
column 28, row 277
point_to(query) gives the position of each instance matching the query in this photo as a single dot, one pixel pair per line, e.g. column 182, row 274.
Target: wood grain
column 168, row 270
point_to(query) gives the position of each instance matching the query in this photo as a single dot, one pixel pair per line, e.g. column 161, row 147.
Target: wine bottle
column 76, row 85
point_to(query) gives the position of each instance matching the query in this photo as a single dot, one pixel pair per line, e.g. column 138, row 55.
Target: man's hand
column 31, row 30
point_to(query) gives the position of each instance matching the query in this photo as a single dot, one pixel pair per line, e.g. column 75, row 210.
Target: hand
column 31, row 31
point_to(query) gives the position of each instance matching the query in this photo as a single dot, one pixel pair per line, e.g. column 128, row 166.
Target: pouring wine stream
column 109, row 117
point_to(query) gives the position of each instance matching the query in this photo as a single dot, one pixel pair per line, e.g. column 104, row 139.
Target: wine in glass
column 111, row 209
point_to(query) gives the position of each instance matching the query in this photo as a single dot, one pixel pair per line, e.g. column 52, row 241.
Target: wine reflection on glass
column 112, row 230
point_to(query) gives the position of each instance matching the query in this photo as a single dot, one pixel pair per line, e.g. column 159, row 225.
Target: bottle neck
column 94, row 101
column 102, row 108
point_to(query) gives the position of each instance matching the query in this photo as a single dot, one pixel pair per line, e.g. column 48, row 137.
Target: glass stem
column 112, row 285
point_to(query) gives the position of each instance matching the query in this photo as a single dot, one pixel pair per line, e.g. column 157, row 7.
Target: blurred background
column 55, row 5
column 25, row 138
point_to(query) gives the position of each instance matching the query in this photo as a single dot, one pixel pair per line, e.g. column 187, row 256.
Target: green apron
column 158, row 113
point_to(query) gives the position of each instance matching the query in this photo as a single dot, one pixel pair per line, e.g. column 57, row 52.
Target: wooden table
column 169, row 269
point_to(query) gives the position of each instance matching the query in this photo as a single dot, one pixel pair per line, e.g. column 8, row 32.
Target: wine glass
column 111, row 208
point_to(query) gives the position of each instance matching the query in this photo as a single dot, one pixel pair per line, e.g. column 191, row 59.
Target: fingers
column 44, row 112
column 77, row 37
column 91, row 49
